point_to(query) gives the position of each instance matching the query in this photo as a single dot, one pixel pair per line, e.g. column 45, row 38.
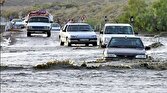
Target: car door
column 63, row 33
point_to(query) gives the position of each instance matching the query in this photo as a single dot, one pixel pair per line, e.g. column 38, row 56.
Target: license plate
column 84, row 39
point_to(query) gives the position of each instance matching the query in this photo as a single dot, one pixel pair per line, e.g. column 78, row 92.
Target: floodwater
column 21, row 58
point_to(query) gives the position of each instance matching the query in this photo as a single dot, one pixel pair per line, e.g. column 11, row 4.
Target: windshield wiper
column 134, row 47
column 116, row 46
column 85, row 30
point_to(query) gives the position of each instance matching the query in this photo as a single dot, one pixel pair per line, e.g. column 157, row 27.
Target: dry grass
column 93, row 9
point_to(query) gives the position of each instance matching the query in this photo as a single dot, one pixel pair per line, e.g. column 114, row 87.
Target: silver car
column 125, row 47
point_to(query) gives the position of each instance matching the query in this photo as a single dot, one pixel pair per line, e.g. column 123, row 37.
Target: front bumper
column 38, row 31
column 18, row 26
column 83, row 40
column 125, row 56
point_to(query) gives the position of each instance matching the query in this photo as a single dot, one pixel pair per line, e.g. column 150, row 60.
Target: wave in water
column 97, row 64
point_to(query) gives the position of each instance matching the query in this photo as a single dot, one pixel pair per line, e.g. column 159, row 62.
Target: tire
column 86, row 44
column 28, row 34
column 59, row 37
column 94, row 44
column 103, row 46
column 100, row 44
column 68, row 43
column 61, row 43
column 48, row 34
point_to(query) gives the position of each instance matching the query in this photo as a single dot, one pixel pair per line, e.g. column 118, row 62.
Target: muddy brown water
column 82, row 74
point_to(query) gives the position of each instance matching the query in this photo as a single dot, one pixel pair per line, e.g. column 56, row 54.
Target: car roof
column 16, row 19
column 54, row 23
column 38, row 16
column 77, row 24
column 115, row 24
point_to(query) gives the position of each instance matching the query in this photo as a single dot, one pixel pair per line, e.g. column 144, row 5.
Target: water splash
column 156, row 45
column 102, row 64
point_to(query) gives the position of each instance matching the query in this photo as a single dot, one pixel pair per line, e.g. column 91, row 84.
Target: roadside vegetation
column 149, row 15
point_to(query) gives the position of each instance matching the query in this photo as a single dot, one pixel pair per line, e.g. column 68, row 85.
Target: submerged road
column 40, row 48
column 25, row 52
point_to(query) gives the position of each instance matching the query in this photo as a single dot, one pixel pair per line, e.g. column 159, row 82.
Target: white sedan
column 77, row 33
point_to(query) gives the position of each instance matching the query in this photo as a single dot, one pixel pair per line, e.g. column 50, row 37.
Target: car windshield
column 39, row 19
column 125, row 43
column 55, row 25
column 118, row 30
column 79, row 28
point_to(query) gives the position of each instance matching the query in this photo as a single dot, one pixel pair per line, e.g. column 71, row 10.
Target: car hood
column 82, row 34
column 128, row 51
column 39, row 24
column 19, row 23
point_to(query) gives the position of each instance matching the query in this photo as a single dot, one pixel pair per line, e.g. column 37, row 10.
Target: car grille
column 37, row 27
column 126, row 56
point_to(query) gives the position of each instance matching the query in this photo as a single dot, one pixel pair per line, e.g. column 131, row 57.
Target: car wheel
column 94, row 44
column 100, row 44
column 59, row 37
column 48, row 34
column 86, row 44
column 28, row 34
column 68, row 43
column 61, row 43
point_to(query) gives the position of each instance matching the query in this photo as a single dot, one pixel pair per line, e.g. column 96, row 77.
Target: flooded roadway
column 19, row 59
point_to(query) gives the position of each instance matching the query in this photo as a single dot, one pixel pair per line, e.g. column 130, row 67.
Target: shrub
column 149, row 17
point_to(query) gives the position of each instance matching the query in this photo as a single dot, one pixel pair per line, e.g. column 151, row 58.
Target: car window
column 64, row 28
column 55, row 25
column 39, row 19
column 79, row 28
column 126, row 43
column 17, row 20
column 118, row 30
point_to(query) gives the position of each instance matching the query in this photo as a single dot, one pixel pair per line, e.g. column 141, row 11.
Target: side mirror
column 136, row 33
column 51, row 21
column 101, row 32
column 147, row 48
column 63, row 30
column 104, row 46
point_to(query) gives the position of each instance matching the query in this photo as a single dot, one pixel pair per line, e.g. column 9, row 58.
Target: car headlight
column 93, row 36
column 73, row 36
column 140, row 56
column 112, row 55
column 106, row 54
column 29, row 27
column 47, row 27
